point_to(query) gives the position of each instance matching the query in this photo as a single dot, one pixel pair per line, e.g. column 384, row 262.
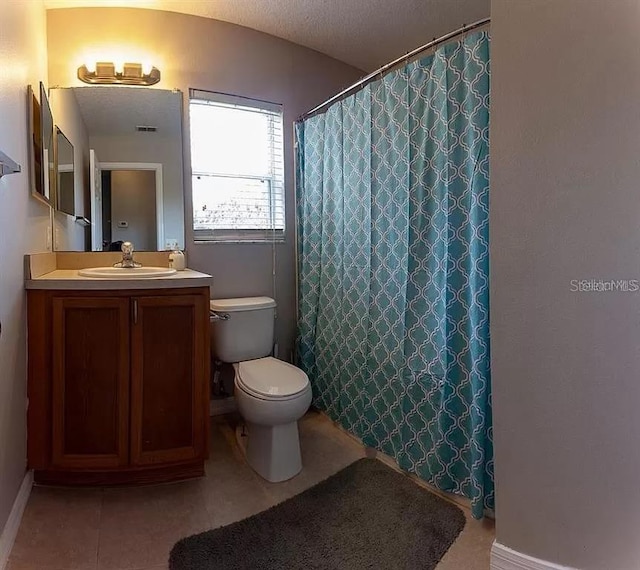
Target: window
column 237, row 168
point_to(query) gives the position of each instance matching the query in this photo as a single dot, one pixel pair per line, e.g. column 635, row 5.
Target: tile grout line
column 206, row 503
column 233, row 443
column 99, row 529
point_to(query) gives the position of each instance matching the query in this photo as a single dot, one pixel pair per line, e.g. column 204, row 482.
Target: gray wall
column 213, row 55
column 565, row 204
column 133, row 200
column 24, row 227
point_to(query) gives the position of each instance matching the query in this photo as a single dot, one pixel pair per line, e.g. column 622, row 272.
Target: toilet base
column 273, row 452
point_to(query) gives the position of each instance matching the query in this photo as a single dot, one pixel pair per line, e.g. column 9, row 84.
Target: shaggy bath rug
column 365, row 516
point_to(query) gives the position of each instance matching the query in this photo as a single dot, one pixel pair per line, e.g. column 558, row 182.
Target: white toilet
column 271, row 394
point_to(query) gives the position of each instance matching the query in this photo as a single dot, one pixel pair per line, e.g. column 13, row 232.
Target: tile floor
column 134, row 528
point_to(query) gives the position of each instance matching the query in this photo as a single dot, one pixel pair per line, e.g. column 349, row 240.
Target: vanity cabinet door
column 169, row 378
column 90, row 382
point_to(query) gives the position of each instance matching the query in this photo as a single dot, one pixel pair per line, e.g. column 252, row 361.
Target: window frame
column 244, row 235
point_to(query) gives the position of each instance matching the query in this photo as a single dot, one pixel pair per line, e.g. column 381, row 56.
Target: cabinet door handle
column 135, row 311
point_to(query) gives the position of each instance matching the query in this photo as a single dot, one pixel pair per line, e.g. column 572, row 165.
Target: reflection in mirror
column 65, row 194
column 134, row 160
column 46, row 135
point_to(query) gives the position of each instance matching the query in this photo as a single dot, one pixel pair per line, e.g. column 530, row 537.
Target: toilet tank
column 245, row 329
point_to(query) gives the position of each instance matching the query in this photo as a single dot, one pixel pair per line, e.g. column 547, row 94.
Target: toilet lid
column 271, row 378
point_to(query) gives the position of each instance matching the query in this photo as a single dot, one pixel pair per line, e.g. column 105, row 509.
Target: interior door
column 96, row 201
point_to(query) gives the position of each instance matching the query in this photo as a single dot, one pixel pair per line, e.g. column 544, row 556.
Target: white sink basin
column 126, row 272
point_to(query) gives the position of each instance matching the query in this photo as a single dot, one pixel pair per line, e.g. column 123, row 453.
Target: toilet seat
column 271, row 379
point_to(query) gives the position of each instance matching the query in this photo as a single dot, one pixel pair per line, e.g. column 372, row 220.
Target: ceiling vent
column 146, row 129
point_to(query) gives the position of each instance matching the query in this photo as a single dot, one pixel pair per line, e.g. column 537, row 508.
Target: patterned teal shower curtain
column 393, row 253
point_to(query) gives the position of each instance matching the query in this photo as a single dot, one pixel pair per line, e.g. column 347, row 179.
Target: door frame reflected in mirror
column 97, row 201
column 60, row 199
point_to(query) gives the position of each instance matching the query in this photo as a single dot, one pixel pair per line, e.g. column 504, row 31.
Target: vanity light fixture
column 105, row 73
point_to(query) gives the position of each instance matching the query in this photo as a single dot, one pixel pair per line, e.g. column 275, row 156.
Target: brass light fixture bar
column 105, row 73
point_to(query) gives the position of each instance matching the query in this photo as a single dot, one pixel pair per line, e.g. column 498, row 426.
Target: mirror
column 65, row 195
column 130, row 142
column 46, row 139
column 36, row 179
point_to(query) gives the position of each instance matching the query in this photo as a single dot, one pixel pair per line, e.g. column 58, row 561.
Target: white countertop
column 68, row 279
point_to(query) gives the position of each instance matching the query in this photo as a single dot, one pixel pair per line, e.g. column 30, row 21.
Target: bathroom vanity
column 118, row 382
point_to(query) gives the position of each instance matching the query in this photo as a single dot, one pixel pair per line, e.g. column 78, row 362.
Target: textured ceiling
column 118, row 110
column 363, row 33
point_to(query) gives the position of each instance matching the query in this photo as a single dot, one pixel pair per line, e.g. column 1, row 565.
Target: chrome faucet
column 127, row 257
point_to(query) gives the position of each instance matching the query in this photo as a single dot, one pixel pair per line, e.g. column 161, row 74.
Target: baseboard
column 503, row 558
column 222, row 406
column 12, row 525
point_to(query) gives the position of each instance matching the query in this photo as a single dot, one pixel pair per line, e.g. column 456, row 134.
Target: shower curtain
column 393, row 277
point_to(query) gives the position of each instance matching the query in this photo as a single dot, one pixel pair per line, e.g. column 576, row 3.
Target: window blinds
column 237, row 168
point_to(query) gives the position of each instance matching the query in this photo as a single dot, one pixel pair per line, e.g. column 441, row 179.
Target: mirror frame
column 173, row 226
column 58, row 135
column 48, row 154
column 167, row 228
column 34, row 152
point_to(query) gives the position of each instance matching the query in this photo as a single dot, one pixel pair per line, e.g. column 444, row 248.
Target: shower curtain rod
column 367, row 78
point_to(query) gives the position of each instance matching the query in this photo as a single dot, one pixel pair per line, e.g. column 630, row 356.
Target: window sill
column 239, row 241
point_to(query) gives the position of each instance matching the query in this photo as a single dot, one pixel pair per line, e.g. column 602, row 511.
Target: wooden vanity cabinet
column 118, row 385
column 169, row 348
column 90, row 382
